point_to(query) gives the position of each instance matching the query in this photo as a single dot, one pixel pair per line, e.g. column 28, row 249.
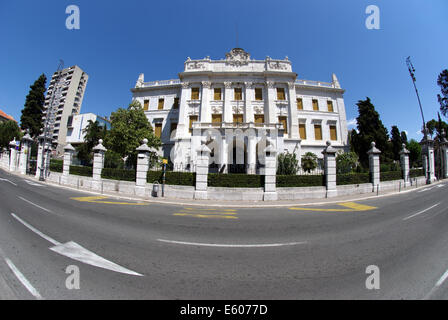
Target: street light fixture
column 425, row 131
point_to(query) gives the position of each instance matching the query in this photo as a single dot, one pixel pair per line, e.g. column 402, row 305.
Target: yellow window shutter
column 259, row 118
column 238, row 94
column 299, row 104
column 317, row 132
column 330, row 106
column 158, row 130
column 333, row 133
column 258, row 94
column 216, row 118
column 281, row 94
column 315, row 105
column 194, row 93
column 284, row 122
column 217, row 94
column 302, row 131
column 161, row 103
column 237, row 118
column 146, row 105
column 192, row 119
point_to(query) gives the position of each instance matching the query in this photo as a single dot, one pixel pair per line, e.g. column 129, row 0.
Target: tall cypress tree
column 370, row 128
column 442, row 81
column 396, row 142
column 34, row 105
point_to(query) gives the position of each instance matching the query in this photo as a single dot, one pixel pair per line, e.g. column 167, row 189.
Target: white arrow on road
column 76, row 252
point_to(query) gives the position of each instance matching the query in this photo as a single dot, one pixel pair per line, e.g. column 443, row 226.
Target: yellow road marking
column 351, row 207
column 98, row 199
column 205, row 216
column 206, row 212
column 210, row 209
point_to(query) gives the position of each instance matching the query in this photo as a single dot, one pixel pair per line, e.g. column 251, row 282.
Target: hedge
column 56, row 165
column 352, row 178
column 118, row 174
column 235, row 180
column 391, row 175
column 413, row 173
column 300, row 181
column 81, row 171
column 172, row 178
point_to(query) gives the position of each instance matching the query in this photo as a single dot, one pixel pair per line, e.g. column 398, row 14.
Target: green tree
column 442, row 81
column 8, row 131
column 34, row 105
column 415, row 154
column 404, row 137
column 128, row 129
column 346, row 162
column 370, row 128
column 93, row 133
column 397, row 142
column 309, row 162
column 287, row 164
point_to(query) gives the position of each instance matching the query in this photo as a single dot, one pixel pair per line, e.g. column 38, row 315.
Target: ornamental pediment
column 237, row 57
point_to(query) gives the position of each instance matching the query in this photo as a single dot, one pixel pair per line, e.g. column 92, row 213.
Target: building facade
column 63, row 99
column 76, row 124
column 5, row 117
column 238, row 106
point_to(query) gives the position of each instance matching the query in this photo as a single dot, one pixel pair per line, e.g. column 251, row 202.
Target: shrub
column 118, row 174
column 391, row 175
column 300, row 181
column 346, row 162
column 56, row 165
column 352, row 178
column 172, row 178
column 235, row 180
column 81, row 171
column 287, row 164
column 413, row 173
column 309, row 161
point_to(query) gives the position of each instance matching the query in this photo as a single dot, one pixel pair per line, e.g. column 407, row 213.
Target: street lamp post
column 425, row 131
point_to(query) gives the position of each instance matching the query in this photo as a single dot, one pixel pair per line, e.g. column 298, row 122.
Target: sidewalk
column 241, row 204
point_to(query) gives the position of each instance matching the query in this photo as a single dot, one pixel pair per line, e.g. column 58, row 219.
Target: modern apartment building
column 64, row 99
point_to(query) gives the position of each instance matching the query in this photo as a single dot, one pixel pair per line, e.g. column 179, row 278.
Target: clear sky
column 118, row 40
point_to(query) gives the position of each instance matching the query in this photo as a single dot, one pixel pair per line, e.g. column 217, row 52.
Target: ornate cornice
column 270, row 84
column 228, row 84
column 249, row 85
column 206, row 84
column 185, row 85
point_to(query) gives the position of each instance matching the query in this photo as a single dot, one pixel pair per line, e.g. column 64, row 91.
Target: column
column 428, row 159
column 202, row 172
column 249, row 96
column 98, row 164
column 293, row 118
column 251, row 150
column 374, row 164
column 404, row 161
column 25, row 153
column 330, row 170
column 228, row 95
column 182, row 125
column 270, row 105
column 142, row 168
column 67, row 162
column 270, row 188
column 13, row 155
column 444, row 150
column 205, row 114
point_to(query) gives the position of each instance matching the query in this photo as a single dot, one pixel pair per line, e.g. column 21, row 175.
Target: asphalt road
column 130, row 250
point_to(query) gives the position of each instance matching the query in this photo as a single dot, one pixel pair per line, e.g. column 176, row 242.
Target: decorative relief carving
column 237, row 57
column 185, row 85
column 277, row 65
column 217, row 109
column 195, row 65
column 228, row 84
column 258, row 110
column 249, row 85
column 206, row 84
column 270, row 84
column 291, row 85
column 193, row 109
column 237, row 109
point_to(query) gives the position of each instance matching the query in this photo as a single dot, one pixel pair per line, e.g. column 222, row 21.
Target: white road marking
column 76, row 252
column 438, row 284
column 416, row 214
column 2, row 179
column 233, row 245
column 23, row 280
column 34, row 183
column 34, row 204
column 56, row 243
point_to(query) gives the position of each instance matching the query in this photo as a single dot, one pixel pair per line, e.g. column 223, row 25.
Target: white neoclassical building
column 237, row 104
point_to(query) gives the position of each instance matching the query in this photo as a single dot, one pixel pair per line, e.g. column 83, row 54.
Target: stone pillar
column 374, row 165
column 428, row 159
column 25, row 153
column 13, row 155
column 98, row 164
column 270, row 189
column 205, row 114
column 269, row 104
column 39, row 157
column 142, row 168
column 444, row 150
column 251, row 149
column 293, row 117
column 404, row 161
column 227, row 110
column 182, row 125
column 249, row 97
column 330, row 169
column 202, row 172
column 67, row 162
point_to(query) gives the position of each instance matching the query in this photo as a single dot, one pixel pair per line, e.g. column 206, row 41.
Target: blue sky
column 120, row 39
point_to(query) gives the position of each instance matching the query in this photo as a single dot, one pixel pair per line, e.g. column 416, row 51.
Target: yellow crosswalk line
column 98, row 199
column 205, row 216
column 350, row 207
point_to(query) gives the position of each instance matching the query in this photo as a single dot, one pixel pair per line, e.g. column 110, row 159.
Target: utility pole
column 50, row 113
column 425, row 131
